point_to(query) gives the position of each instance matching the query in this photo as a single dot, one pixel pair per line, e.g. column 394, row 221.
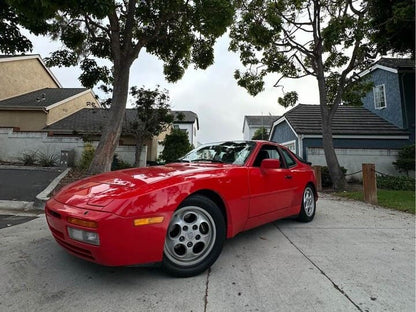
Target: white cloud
column 213, row 94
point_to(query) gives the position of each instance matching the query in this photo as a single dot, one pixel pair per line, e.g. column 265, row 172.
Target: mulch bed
column 73, row 175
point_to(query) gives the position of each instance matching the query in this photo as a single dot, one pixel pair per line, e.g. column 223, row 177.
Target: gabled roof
column 89, row 120
column 348, row 120
column 186, row 117
column 397, row 63
column 261, row 120
column 394, row 65
column 41, row 99
column 10, row 58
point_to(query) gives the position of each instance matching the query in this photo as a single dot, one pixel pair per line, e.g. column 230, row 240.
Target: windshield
column 224, row 152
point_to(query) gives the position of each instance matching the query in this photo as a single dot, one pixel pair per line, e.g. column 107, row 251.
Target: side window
column 266, row 152
column 290, row 162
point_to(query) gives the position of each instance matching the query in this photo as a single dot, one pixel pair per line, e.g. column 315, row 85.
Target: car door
column 270, row 189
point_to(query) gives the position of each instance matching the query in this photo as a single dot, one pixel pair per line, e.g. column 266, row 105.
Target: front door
column 270, row 189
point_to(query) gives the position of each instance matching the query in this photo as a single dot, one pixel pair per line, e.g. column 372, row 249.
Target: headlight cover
column 84, row 236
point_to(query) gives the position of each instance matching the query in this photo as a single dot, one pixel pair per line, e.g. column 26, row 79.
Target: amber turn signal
column 145, row 221
column 80, row 222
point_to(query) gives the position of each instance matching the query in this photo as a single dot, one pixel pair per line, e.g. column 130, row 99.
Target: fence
column 14, row 144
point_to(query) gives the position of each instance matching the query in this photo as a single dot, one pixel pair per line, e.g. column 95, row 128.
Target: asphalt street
column 352, row 257
column 25, row 183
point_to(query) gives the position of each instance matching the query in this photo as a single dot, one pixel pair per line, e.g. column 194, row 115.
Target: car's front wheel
column 194, row 238
column 308, row 207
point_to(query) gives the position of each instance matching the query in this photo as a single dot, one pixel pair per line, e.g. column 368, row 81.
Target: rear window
column 290, row 162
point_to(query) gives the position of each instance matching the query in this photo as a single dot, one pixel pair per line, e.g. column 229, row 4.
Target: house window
column 379, row 97
column 290, row 145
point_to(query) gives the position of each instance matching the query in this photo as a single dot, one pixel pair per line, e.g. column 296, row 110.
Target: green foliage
column 176, row 145
column 289, row 99
column 11, row 40
column 406, row 159
column 399, row 200
column 29, row 158
column 400, row 183
column 119, row 164
column 87, row 156
column 261, row 134
column 393, row 25
column 326, row 178
column 47, row 160
column 283, row 37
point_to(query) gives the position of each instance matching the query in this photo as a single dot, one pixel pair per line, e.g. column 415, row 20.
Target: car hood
column 98, row 191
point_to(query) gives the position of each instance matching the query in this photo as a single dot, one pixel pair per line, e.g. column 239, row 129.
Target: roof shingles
column 42, row 98
column 306, row 119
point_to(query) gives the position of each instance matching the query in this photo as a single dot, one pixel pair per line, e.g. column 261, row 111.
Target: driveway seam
column 320, row 270
column 206, row 291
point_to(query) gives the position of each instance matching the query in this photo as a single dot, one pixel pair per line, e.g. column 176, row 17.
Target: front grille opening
column 53, row 213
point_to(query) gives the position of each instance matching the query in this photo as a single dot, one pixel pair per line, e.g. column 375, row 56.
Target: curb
column 38, row 204
column 44, row 195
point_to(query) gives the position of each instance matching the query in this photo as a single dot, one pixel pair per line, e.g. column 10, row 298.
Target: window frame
column 376, row 92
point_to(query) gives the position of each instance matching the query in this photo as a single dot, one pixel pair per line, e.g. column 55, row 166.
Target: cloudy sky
column 213, row 93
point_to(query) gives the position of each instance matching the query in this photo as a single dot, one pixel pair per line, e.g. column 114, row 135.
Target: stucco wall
column 25, row 120
column 14, row 144
column 352, row 159
column 393, row 110
column 68, row 108
column 22, row 76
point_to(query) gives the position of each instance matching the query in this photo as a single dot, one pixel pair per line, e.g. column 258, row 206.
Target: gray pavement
column 352, row 257
column 23, row 183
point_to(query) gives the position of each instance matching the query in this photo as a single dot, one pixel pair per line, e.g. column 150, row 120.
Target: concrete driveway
column 352, row 257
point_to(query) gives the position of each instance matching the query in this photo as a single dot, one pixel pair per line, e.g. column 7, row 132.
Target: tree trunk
column 335, row 172
column 112, row 129
column 138, row 154
column 327, row 114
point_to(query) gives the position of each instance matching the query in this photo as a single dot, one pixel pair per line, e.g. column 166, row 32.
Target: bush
column 406, row 159
column 119, row 164
column 87, row 156
column 326, row 178
column 400, row 183
column 29, row 158
column 47, row 160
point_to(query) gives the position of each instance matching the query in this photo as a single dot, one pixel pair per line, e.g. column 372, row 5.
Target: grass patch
column 399, row 200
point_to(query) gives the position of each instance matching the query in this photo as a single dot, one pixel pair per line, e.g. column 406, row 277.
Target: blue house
column 372, row 133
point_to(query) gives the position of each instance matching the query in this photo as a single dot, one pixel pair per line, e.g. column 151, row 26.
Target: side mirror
column 270, row 164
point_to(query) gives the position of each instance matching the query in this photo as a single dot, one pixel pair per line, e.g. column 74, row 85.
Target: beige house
column 33, row 101
column 31, row 97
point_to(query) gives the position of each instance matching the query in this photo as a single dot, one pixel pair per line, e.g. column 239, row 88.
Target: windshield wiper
column 206, row 159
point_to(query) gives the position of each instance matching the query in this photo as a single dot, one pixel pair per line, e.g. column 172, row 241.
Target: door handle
column 288, row 177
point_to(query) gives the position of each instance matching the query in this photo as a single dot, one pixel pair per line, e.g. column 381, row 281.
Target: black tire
column 194, row 238
column 308, row 207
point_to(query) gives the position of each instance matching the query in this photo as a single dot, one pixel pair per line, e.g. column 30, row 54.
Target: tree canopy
column 178, row 32
column 324, row 39
column 393, row 25
column 176, row 145
column 261, row 134
column 153, row 116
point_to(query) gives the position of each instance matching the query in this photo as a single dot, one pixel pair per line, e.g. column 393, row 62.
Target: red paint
column 251, row 196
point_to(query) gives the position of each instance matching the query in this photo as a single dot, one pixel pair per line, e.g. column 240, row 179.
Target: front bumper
column 121, row 243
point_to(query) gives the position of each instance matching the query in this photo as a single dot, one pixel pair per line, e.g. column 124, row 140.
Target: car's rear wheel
column 194, row 238
column 308, row 207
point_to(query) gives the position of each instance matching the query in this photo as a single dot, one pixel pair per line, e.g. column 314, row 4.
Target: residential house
column 37, row 114
column 31, row 97
column 253, row 123
column 393, row 94
column 373, row 133
column 187, row 121
column 89, row 123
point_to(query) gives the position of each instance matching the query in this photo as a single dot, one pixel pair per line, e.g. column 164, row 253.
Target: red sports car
column 181, row 213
